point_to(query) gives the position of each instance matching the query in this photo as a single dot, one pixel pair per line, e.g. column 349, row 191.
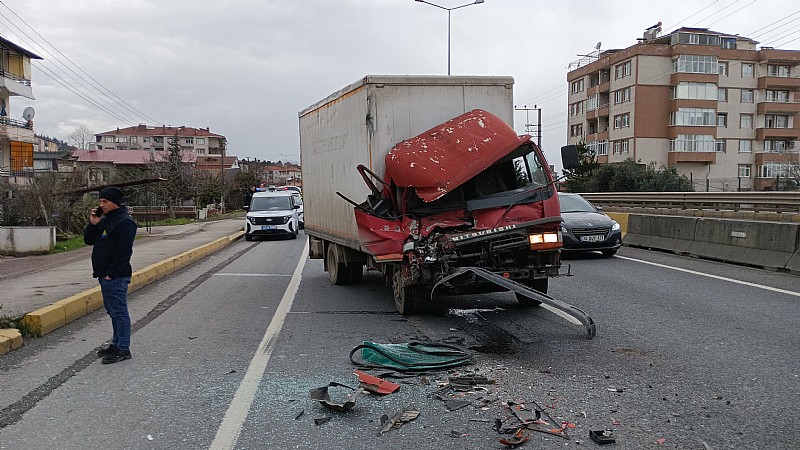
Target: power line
column 104, row 90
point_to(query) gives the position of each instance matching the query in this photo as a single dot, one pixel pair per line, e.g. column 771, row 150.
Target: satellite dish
column 597, row 47
column 28, row 113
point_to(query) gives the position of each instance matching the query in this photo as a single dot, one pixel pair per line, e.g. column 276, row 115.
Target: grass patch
column 66, row 245
column 172, row 222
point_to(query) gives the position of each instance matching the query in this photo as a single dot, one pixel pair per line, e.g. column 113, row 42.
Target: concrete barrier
column 672, row 233
column 763, row 244
column 773, row 245
column 22, row 241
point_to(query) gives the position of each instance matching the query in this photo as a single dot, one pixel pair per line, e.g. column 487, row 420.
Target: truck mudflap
column 566, row 308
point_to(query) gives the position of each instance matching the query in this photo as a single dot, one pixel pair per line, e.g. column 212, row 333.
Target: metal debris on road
column 321, row 395
column 398, row 419
column 375, row 384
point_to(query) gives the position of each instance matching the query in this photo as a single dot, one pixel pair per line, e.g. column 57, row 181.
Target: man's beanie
column 112, row 194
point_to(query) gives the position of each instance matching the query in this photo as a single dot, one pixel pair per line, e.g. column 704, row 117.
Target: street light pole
column 476, row 2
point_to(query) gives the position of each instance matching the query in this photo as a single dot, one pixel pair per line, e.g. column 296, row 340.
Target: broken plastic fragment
column 375, row 384
column 321, row 420
column 454, row 404
column 517, row 438
column 321, row 395
column 397, row 420
column 602, row 436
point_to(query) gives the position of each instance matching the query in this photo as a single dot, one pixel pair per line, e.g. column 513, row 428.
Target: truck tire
column 539, row 285
column 407, row 299
column 340, row 273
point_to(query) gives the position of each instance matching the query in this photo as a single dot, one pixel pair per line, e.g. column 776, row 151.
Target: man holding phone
column 111, row 230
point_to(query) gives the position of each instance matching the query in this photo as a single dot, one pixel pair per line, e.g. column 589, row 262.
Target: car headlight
column 615, row 227
column 287, row 219
column 564, row 229
column 252, row 220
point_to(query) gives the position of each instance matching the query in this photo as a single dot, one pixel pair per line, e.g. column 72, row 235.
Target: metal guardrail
column 758, row 201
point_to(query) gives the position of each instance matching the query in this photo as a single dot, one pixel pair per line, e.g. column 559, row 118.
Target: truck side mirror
column 569, row 157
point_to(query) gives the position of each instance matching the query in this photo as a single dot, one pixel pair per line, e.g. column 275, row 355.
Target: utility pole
column 222, row 176
column 529, row 126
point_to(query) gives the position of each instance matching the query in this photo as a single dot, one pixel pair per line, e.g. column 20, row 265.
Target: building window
column 622, row 70
column 122, row 139
column 728, row 43
column 775, row 146
column 625, row 146
column 577, row 86
column 576, row 108
column 775, row 70
column 722, row 69
column 693, row 117
column 773, row 169
column 774, row 95
column 188, row 141
column 745, row 146
column 745, row 121
column 145, row 140
column 158, row 140
column 201, row 141
column 622, row 95
column 720, row 146
column 576, row 130
column 722, row 94
column 200, row 151
column 747, row 96
column 693, row 143
column 695, row 91
column 695, row 64
column 134, row 139
column 776, row 121
column 109, row 139
column 744, row 170
column 747, row 70
column 622, row 120
column 722, row 120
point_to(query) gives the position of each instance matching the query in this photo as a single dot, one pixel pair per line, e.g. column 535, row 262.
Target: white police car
column 272, row 213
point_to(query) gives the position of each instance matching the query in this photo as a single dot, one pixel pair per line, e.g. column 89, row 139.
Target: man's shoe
column 116, row 357
column 103, row 352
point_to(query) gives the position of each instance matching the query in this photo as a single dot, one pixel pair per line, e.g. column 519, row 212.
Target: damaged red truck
column 423, row 179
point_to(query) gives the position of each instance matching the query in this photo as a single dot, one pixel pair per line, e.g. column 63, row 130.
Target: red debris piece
column 661, row 440
column 517, row 438
column 375, row 384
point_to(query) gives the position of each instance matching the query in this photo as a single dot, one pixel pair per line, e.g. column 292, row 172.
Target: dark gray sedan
column 586, row 228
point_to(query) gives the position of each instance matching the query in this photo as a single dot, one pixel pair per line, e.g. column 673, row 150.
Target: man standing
column 111, row 230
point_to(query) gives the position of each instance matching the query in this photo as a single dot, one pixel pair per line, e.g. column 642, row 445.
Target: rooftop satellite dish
column 28, row 113
column 597, row 47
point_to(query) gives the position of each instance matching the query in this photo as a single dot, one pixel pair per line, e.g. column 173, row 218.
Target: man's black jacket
column 112, row 238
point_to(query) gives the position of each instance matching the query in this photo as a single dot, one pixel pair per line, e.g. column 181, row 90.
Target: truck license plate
column 268, row 227
column 593, row 238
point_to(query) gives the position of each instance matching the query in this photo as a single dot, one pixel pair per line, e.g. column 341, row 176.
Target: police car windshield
column 281, row 203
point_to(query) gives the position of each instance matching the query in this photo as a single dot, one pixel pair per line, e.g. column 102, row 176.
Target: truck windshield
column 281, row 203
column 533, row 173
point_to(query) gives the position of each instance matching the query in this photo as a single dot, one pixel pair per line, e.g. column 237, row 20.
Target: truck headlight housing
column 545, row 240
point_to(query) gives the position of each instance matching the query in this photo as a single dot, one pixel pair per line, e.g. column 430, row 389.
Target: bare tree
column 81, row 137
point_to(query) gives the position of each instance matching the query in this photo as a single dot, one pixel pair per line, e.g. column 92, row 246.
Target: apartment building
column 718, row 108
column 143, row 137
column 16, row 125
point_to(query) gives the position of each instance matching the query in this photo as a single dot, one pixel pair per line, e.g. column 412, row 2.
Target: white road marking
column 231, row 426
column 716, row 277
column 251, row 275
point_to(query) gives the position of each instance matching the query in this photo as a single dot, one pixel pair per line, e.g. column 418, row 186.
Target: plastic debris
column 397, row 420
column 602, row 436
column 468, row 382
column 410, row 357
column 660, row 441
column 455, row 404
column 321, row 420
column 149, row 437
column 517, row 438
column 299, row 413
column 321, row 395
column 375, row 384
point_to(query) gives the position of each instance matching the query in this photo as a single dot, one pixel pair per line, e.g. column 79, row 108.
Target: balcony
column 770, row 82
column 15, row 84
column 16, row 130
column 692, row 157
column 774, row 107
column 782, row 157
column 601, row 111
column 777, row 133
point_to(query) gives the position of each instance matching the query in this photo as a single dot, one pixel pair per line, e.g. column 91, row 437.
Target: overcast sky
column 245, row 68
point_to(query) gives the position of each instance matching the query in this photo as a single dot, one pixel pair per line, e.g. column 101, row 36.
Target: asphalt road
column 687, row 351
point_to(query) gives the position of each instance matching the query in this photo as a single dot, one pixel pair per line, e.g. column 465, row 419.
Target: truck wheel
column 539, row 285
column 356, row 272
column 407, row 299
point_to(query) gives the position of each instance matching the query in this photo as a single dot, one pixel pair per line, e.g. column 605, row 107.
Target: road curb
column 62, row 312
